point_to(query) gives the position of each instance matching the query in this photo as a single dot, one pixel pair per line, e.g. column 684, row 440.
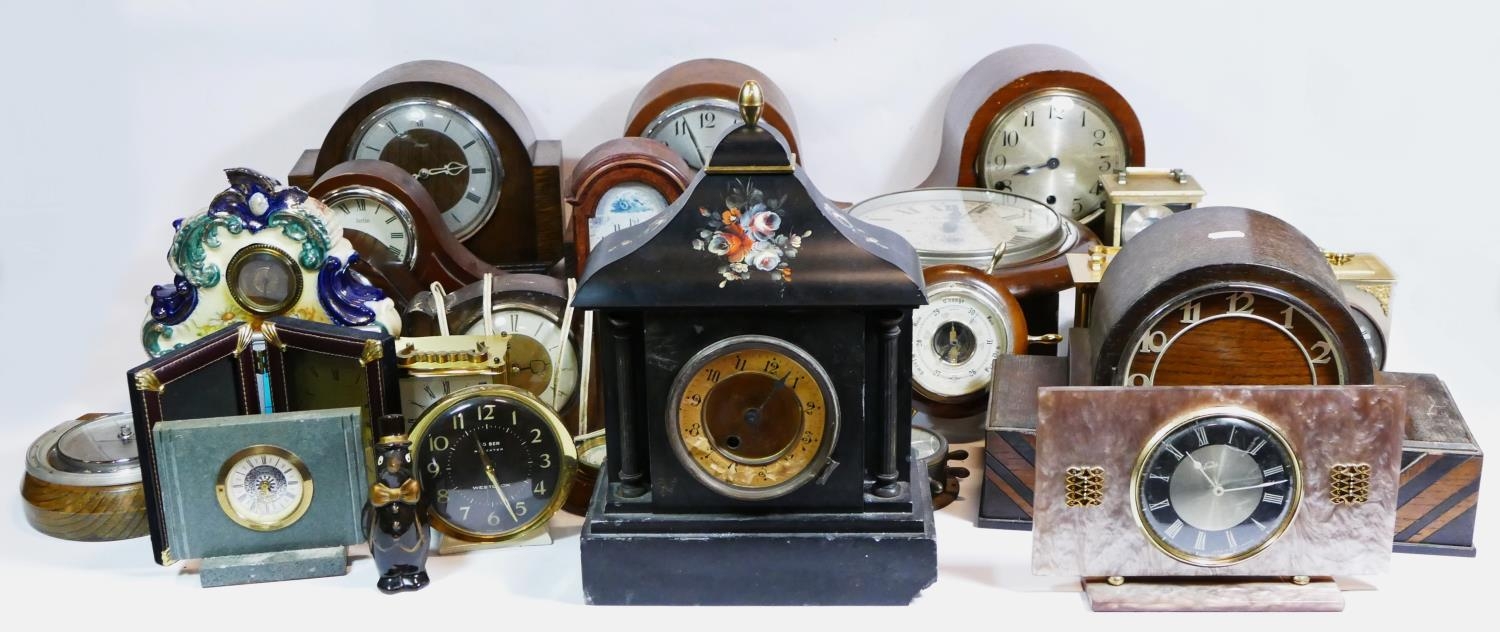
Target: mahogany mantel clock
column 621, row 183
column 469, row 144
column 758, row 398
column 692, row 104
column 1036, row 120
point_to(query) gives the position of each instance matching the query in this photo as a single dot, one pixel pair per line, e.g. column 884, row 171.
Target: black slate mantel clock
column 756, row 359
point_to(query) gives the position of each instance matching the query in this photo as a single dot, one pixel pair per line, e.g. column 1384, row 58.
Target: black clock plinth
column 821, row 559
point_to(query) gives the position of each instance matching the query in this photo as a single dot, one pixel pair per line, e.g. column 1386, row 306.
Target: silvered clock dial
column 967, row 225
column 1052, row 147
column 378, row 214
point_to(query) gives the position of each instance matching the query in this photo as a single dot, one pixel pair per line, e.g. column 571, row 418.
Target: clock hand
column 694, row 138
column 489, row 472
column 1199, row 466
column 1052, row 163
column 952, row 351
column 450, row 169
column 1240, row 489
column 759, row 410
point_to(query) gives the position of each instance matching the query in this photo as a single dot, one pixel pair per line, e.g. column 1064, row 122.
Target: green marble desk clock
column 260, row 498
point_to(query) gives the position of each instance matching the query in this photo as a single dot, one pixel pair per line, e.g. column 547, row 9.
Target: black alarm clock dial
column 493, row 461
column 1217, row 489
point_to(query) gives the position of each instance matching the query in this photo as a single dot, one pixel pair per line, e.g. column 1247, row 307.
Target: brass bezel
column 255, row 450
column 293, row 296
column 1237, row 412
column 566, row 469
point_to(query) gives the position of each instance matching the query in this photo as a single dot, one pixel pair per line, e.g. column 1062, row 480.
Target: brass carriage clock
column 758, row 398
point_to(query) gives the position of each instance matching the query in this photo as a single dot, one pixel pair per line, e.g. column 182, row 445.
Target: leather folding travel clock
column 287, row 365
column 259, row 251
column 621, row 183
column 467, row 142
column 1216, row 498
column 1038, row 121
column 263, row 498
column 758, row 398
column 689, row 106
column 381, row 200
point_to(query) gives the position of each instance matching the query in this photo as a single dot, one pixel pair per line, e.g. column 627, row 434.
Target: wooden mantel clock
column 1038, row 121
column 469, row 144
column 621, row 183
column 758, row 398
column 692, row 104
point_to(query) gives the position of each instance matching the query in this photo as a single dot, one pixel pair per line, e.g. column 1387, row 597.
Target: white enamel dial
column 955, row 340
column 537, row 358
column 376, row 214
column 264, row 488
column 1052, row 148
column 443, row 148
column 419, row 392
column 622, row 206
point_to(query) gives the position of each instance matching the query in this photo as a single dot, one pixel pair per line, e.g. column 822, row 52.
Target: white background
column 1369, row 127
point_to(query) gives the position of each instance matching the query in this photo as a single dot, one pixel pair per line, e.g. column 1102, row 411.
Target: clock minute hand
column 1052, row 163
column 1248, row 487
column 489, row 472
column 1199, row 466
column 694, row 139
column 451, row 169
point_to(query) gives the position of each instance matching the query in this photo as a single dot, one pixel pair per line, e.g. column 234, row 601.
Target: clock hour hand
column 1052, row 163
column 489, row 472
column 450, row 169
column 1247, row 487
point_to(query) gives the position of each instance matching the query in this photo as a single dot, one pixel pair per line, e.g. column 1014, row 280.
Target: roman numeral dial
column 378, row 214
column 1217, row 489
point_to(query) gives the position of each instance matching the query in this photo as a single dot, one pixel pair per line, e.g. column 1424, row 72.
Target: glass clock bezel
column 221, row 490
column 1150, row 448
column 403, row 215
column 982, row 293
column 491, row 149
column 289, row 265
column 1064, row 237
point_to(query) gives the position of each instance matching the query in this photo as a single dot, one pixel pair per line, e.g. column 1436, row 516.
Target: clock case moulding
column 709, row 78
column 1441, row 462
column 223, row 374
column 525, row 232
column 654, row 533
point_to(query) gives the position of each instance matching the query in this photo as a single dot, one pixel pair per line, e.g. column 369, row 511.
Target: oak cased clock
column 621, row 183
column 1037, row 120
column 468, row 142
column 758, row 398
column 1216, row 498
column 691, row 105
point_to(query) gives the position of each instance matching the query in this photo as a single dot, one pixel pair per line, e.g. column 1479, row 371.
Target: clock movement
column 83, row 480
column 469, row 144
column 259, row 251
column 691, row 105
column 261, row 498
column 621, row 183
column 383, row 201
column 758, row 398
column 1037, row 120
column 1216, row 498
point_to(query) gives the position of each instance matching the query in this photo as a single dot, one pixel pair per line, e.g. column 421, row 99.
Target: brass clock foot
column 1301, row 580
column 1115, row 580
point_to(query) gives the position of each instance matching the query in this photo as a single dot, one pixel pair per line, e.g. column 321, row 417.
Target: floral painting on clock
column 746, row 234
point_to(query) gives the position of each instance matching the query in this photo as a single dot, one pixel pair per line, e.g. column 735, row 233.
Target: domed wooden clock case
column 758, row 398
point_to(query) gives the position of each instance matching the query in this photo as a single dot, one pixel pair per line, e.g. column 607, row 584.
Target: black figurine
column 398, row 536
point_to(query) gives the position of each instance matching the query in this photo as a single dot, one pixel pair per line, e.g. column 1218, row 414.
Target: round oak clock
column 495, row 463
column 969, row 320
column 1224, row 296
column 1036, row 120
column 691, row 105
column 83, row 480
column 383, row 201
column 620, row 184
column 469, row 144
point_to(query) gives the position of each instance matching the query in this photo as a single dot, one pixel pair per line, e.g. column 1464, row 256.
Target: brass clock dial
column 1216, row 488
column 264, row 488
column 1256, row 334
column 753, row 417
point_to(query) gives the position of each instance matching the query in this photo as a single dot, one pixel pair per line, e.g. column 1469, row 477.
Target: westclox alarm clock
column 689, row 106
column 259, row 251
column 1038, row 121
column 1223, row 295
column 1216, row 498
column 621, row 183
column 496, row 463
column 382, row 200
column 757, row 398
column 261, row 498
column 83, row 480
column 467, row 142
column 969, row 226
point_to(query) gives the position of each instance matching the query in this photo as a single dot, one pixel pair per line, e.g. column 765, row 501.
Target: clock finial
column 751, row 103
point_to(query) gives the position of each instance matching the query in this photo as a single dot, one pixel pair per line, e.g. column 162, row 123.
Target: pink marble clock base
column 1251, row 594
